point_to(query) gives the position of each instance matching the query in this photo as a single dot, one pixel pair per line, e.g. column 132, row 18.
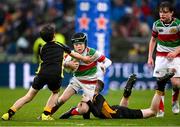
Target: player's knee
column 153, row 111
column 175, row 82
column 149, row 113
column 160, row 85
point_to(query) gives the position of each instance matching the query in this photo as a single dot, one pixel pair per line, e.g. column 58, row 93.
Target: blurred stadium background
column 130, row 31
column 130, row 22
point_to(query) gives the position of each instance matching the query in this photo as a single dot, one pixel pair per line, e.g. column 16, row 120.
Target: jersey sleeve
column 97, row 56
column 64, row 47
column 154, row 30
column 107, row 62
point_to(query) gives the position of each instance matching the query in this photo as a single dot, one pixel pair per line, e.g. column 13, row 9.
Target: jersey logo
column 173, row 30
column 160, row 30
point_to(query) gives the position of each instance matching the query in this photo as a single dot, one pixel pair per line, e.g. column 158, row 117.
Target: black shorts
column 52, row 81
column 124, row 112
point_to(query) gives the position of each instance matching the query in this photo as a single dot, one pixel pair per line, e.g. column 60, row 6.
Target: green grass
column 28, row 114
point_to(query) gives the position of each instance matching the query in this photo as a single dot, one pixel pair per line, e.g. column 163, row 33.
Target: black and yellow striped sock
column 11, row 112
column 47, row 111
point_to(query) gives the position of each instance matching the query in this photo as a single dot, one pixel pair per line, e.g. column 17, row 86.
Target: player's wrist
column 149, row 56
column 176, row 52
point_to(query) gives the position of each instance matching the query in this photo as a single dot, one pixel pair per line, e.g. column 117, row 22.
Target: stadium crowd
column 20, row 21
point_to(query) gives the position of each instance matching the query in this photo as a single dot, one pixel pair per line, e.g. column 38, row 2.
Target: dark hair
column 47, row 33
column 100, row 85
column 166, row 4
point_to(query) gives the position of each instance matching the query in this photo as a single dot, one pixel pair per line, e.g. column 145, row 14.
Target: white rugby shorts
column 88, row 89
column 162, row 64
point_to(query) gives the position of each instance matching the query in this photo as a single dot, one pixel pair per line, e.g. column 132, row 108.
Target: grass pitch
column 28, row 114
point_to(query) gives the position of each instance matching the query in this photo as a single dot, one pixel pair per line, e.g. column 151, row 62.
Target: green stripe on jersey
column 92, row 51
column 91, row 71
column 159, row 23
column 169, row 44
column 176, row 22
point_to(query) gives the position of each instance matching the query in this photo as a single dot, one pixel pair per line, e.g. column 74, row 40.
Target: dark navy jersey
column 51, row 55
column 101, row 109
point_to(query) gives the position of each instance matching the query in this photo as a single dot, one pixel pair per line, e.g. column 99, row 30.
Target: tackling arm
column 85, row 59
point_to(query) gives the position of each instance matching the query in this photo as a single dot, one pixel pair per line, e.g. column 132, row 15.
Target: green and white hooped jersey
column 167, row 37
column 87, row 72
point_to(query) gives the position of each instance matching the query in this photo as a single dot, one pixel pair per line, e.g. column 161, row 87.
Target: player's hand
column 150, row 62
column 171, row 55
column 103, row 68
column 87, row 59
column 172, row 70
column 74, row 64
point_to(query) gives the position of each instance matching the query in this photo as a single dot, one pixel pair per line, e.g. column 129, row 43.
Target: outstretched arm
column 85, row 59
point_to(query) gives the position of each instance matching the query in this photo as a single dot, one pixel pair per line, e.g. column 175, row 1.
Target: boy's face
column 165, row 15
column 79, row 47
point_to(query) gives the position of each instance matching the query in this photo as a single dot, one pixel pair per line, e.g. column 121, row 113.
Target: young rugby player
column 85, row 76
column 166, row 35
column 49, row 72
